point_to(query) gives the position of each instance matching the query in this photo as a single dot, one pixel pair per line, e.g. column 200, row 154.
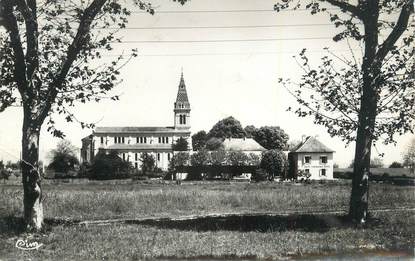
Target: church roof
column 244, row 144
column 311, row 144
column 182, row 93
column 103, row 130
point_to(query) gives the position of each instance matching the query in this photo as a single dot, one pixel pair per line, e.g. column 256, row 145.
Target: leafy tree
column 200, row 158
column 361, row 101
column 254, row 159
column 1, row 164
column 13, row 165
column 227, row 128
column 249, row 131
column 109, row 166
column 148, row 163
column 409, row 155
column 275, row 163
column 63, row 158
column 51, row 59
column 178, row 160
column 214, row 144
column 271, row 137
column 199, row 140
column 237, row 158
column 376, row 163
column 218, row 157
column 181, row 144
column 396, row 165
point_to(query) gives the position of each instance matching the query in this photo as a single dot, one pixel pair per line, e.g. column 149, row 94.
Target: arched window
column 184, row 119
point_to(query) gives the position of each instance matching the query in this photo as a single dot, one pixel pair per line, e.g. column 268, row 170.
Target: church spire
column 182, row 93
column 182, row 107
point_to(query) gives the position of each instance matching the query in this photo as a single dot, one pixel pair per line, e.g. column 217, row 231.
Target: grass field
column 259, row 236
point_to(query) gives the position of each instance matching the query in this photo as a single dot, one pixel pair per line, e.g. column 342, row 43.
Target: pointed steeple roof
column 182, row 93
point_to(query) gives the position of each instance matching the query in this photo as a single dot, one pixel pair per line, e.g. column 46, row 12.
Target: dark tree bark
column 372, row 76
column 32, row 197
column 367, row 116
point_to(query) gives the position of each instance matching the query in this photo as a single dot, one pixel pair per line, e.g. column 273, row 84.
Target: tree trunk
column 359, row 198
column 32, row 198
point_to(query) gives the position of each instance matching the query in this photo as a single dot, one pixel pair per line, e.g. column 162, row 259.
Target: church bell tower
column 182, row 107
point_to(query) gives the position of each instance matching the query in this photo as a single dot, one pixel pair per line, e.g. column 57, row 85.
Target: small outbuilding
column 312, row 158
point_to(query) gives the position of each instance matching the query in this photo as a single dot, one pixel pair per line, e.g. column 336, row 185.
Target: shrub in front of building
column 275, row 163
column 110, row 166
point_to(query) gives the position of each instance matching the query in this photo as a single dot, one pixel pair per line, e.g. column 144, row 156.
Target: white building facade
column 131, row 142
column 313, row 158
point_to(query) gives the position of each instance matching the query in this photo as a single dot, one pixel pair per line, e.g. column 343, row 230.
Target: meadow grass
column 263, row 237
column 101, row 201
column 137, row 242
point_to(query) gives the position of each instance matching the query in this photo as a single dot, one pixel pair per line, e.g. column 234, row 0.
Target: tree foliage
column 181, row 144
column 366, row 98
column 237, row 158
column 227, row 128
column 271, row 137
column 218, row 157
column 179, row 159
column 63, row 158
column 409, row 155
column 109, row 166
column 214, row 143
column 249, row 131
column 199, row 140
column 148, row 162
column 275, row 163
column 200, row 158
column 51, row 58
column 395, row 165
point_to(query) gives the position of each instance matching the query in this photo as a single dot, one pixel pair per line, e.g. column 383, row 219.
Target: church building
column 131, row 142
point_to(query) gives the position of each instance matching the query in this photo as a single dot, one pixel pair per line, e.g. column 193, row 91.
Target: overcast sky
column 223, row 78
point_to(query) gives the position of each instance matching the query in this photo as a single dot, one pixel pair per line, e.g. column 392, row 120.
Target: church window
column 122, row 139
column 145, row 139
column 123, row 156
column 158, row 156
column 115, row 140
column 184, row 119
column 167, row 139
column 168, row 156
column 102, row 140
column 159, row 139
column 136, row 165
column 136, row 157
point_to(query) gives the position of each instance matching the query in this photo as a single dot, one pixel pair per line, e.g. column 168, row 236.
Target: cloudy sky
column 232, row 53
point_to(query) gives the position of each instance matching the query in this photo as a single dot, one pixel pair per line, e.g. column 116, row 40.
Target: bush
column 178, row 160
column 260, row 175
column 303, row 176
column 275, row 163
column 109, row 166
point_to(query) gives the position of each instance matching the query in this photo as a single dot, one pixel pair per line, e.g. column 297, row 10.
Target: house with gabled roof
column 313, row 158
column 131, row 142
